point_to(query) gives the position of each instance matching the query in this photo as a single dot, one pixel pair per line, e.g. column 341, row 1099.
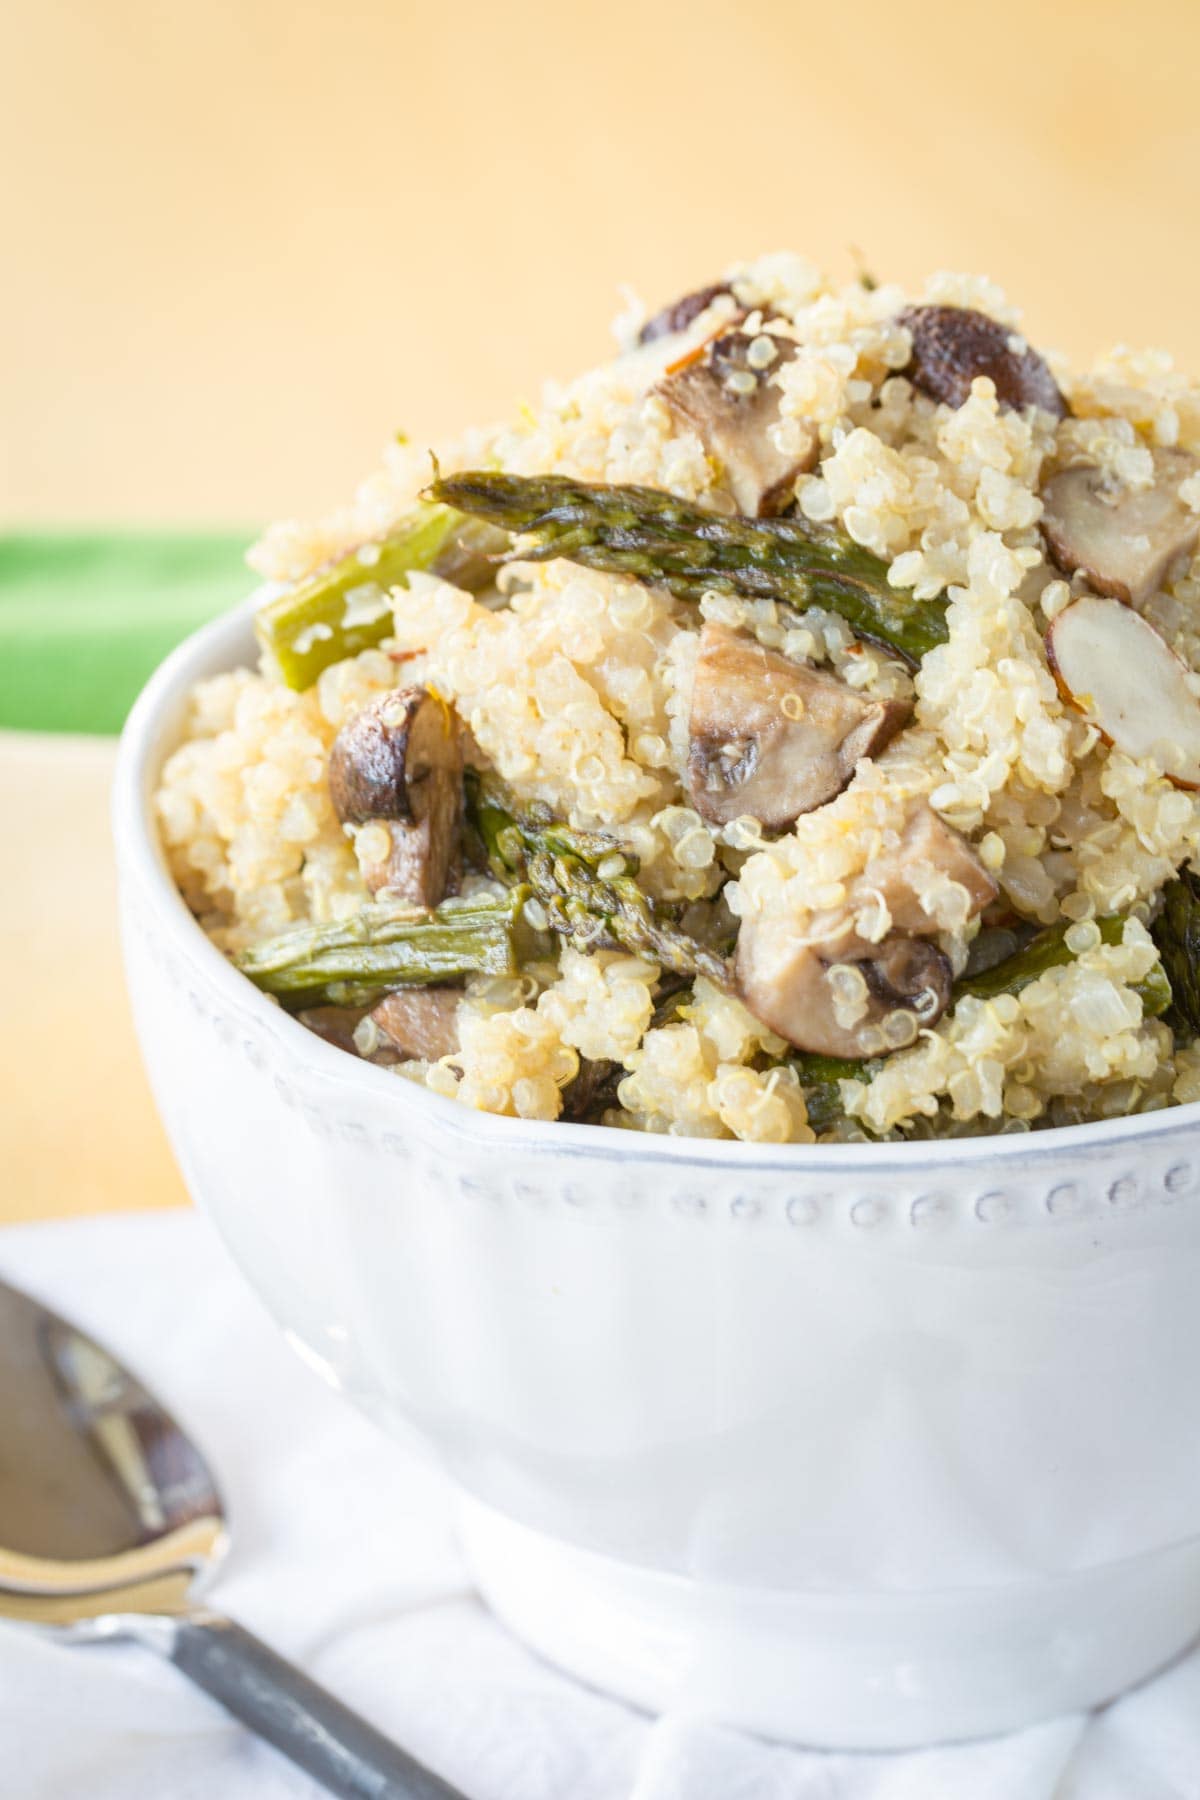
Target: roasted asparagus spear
column 380, row 949
column 1049, row 950
column 1176, row 931
column 584, row 884
column 343, row 609
column 819, row 1077
column 656, row 539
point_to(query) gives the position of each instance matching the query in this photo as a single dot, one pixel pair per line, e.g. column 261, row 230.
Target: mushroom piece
column 336, row 1024
column 1124, row 540
column 396, row 770
column 681, row 313
column 1112, row 665
column 726, row 394
column 829, row 990
column 422, row 1022
column 926, row 844
column 771, row 738
column 954, row 344
column 799, row 988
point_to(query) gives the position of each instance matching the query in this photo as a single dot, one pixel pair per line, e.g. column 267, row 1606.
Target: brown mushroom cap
column 908, row 971
column 1123, row 540
column 788, row 972
column 732, row 405
column 680, row 313
column 771, row 738
column 397, row 764
column 422, row 1022
column 954, row 344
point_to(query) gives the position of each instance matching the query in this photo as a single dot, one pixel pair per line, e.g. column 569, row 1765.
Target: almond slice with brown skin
column 1114, row 667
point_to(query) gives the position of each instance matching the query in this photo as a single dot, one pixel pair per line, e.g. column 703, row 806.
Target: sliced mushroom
column 421, row 1022
column 681, row 313
column 792, row 986
column 1124, row 540
column 771, row 738
column 954, row 344
column 829, row 990
column 732, row 404
column 396, row 770
column 1111, row 663
column 336, row 1024
column 897, row 874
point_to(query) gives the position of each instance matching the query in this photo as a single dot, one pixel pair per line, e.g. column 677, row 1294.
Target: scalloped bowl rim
column 140, row 756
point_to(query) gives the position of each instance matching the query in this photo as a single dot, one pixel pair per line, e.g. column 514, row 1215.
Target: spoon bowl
column 101, row 1492
column 111, row 1524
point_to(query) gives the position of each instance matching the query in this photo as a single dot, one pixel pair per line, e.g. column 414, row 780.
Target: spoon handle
column 334, row 1745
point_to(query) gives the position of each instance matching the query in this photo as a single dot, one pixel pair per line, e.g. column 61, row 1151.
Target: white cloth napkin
column 344, row 1559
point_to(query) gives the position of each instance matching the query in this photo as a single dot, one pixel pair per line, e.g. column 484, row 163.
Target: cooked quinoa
column 924, row 820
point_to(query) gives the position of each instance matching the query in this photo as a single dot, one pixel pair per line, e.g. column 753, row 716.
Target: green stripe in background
column 85, row 617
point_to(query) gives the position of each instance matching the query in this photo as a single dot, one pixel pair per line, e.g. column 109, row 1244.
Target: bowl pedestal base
column 851, row 1671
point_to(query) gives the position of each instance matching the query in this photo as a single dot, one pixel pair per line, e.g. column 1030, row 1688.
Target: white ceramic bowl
column 862, row 1446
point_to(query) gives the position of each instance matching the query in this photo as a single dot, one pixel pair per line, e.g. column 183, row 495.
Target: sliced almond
column 1124, row 540
column 1114, row 667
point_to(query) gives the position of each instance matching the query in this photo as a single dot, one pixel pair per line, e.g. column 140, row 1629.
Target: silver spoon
column 109, row 1518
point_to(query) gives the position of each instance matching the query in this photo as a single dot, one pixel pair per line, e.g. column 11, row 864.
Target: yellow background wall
column 244, row 240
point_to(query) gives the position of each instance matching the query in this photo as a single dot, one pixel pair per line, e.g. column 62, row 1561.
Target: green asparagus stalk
column 379, row 950
column 1049, row 950
column 312, row 625
column 1176, row 931
column 654, row 538
column 584, row 884
column 819, row 1077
